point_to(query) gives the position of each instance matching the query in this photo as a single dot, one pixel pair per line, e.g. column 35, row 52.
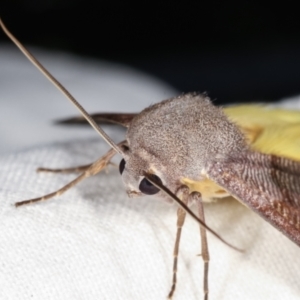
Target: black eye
column 146, row 187
column 122, row 166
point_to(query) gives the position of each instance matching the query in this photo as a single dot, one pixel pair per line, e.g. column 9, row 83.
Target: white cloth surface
column 93, row 242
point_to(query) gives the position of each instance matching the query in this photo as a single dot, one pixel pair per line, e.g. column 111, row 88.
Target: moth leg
column 56, row 193
column 93, row 169
column 195, row 196
column 77, row 169
column 65, row 170
column 183, row 194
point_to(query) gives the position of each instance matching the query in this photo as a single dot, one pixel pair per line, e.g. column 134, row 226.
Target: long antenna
column 58, row 85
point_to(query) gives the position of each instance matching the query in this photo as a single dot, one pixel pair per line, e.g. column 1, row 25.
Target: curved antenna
column 59, row 86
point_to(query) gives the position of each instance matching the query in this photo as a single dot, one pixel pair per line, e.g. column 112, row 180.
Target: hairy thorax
column 179, row 136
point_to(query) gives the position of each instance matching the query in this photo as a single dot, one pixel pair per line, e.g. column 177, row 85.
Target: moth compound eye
column 122, row 166
column 146, row 187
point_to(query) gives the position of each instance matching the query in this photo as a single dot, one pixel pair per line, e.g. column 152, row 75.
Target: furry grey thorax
column 175, row 139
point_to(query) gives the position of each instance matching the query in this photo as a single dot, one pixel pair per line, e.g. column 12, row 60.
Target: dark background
column 234, row 50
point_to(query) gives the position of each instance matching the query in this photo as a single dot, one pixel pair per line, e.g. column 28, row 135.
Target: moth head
column 133, row 168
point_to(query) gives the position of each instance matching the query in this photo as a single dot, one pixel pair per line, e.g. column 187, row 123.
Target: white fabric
column 93, row 242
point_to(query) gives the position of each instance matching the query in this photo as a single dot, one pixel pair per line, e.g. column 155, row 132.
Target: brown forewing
column 268, row 184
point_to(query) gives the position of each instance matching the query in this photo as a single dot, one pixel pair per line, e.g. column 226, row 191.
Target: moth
column 188, row 150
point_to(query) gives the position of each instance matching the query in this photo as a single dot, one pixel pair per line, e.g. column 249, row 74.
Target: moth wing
column 269, row 130
column 268, row 184
column 123, row 119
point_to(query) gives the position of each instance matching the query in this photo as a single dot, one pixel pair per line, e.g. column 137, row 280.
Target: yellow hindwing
column 267, row 130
